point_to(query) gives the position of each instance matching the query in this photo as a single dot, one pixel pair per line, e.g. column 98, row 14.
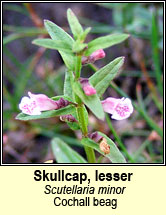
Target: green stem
column 90, row 154
column 81, row 119
column 78, row 67
column 80, row 113
column 93, row 67
column 83, row 125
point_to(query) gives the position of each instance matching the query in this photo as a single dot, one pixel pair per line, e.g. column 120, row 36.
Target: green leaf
column 85, row 33
column 68, row 92
column 78, row 47
column 66, row 97
column 73, row 125
column 47, row 114
column 57, row 33
column 64, row 154
column 69, row 60
column 75, row 26
column 86, row 116
column 114, row 156
column 92, row 102
column 53, row 44
column 101, row 79
column 67, row 86
column 105, row 42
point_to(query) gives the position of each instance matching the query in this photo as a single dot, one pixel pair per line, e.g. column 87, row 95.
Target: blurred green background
column 27, row 67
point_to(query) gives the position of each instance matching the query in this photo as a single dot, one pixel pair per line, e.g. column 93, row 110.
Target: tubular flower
column 87, row 88
column 97, row 55
column 119, row 108
column 35, row 103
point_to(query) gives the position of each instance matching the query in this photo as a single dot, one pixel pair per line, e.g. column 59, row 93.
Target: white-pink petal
column 109, row 104
column 43, row 102
column 119, row 108
column 36, row 103
column 29, row 106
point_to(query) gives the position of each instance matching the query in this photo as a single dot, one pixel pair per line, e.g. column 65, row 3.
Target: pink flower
column 97, row 55
column 119, row 108
column 36, row 103
column 87, row 88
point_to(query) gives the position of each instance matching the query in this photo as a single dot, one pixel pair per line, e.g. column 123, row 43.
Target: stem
column 83, row 125
column 90, row 154
column 78, row 67
column 81, row 119
column 80, row 113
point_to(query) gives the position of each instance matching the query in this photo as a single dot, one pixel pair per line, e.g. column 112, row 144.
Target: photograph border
column 78, row 164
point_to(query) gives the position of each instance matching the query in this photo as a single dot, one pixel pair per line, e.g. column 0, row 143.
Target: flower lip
column 119, row 108
column 29, row 106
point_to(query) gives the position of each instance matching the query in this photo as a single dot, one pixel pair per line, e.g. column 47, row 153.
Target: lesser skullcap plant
column 79, row 92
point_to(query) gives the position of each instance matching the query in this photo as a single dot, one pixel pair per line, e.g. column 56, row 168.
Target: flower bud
column 87, row 88
column 68, row 118
column 95, row 136
column 62, row 103
column 99, row 54
column 119, row 108
column 104, row 146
